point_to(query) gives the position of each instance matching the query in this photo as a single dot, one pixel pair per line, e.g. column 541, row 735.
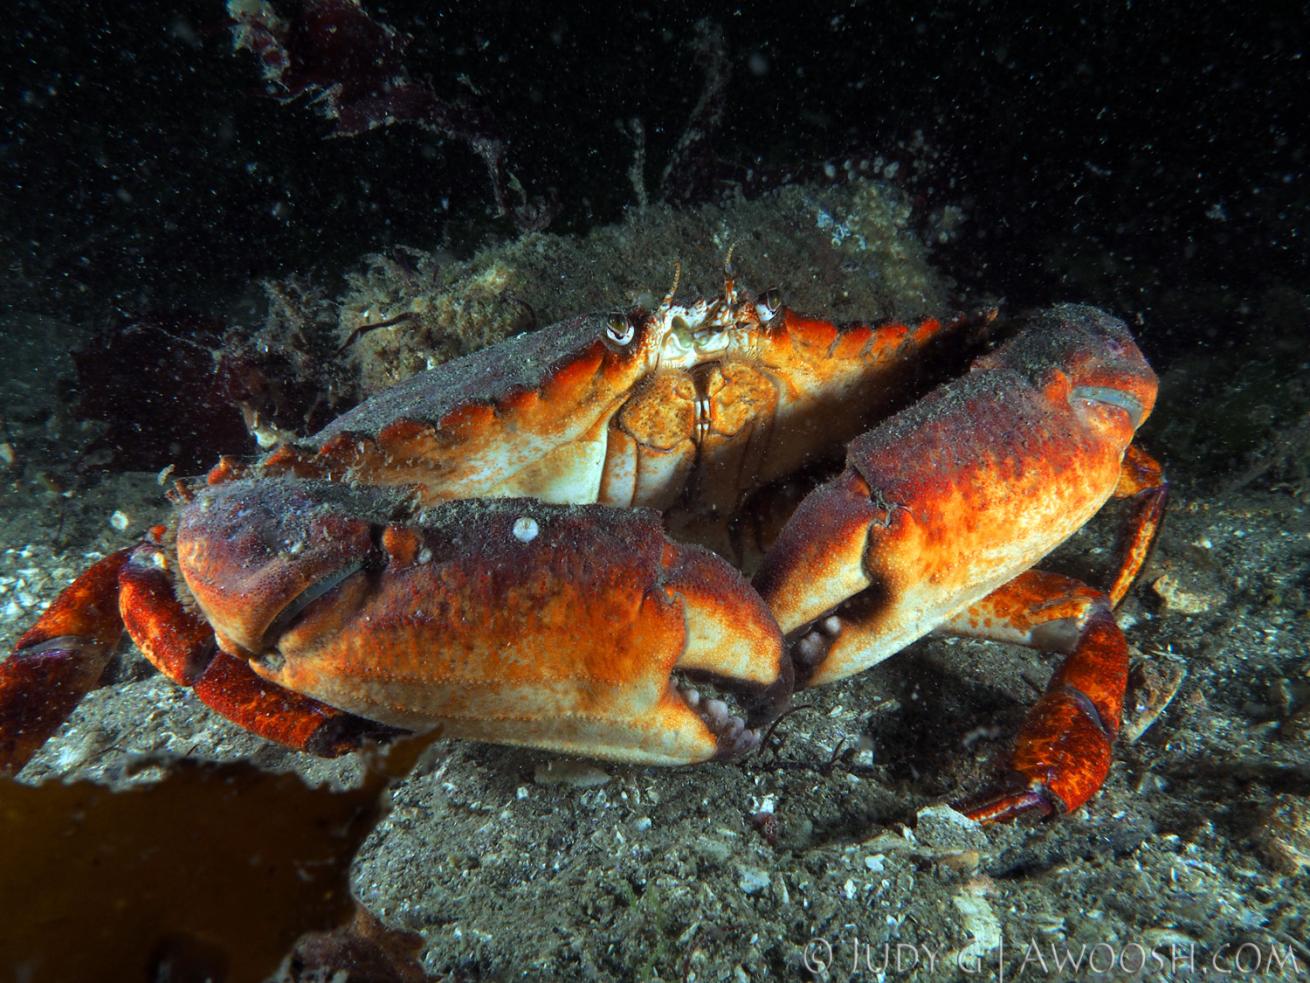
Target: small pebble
column 943, row 828
column 752, row 880
column 566, row 771
column 1181, row 594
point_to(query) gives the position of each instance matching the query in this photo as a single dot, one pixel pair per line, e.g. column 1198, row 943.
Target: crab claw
column 957, row 495
column 505, row 620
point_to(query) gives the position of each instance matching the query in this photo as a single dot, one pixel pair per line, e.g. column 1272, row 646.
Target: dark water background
column 1149, row 157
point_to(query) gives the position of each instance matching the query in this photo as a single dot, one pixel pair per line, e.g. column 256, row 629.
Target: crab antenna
column 673, row 288
column 729, row 284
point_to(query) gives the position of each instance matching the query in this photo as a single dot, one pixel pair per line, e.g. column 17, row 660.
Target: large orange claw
column 952, row 499
column 506, row 620
column 968, row 488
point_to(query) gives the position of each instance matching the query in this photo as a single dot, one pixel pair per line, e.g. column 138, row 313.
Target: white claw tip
column 525, row 529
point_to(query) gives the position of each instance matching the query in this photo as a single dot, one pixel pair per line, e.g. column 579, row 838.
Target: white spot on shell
column 424, row 556
column 525, row 529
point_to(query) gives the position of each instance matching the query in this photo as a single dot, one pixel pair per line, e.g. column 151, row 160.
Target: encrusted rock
column 944, row 828
column 1285, row 834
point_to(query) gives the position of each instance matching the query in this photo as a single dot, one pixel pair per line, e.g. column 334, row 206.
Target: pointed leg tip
column 1007, row 806
column 346, row 733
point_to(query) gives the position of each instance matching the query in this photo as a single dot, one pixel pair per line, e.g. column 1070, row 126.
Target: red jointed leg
column 58, row 661
column 182, row 646
column 1142, row 479
column 1064, row 748
column 177, row 642
column 231, row 687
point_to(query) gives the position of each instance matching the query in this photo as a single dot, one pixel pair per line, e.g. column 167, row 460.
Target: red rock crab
column 478, row 549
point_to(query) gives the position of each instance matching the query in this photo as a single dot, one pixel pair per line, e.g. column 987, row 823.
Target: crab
column 548, row 543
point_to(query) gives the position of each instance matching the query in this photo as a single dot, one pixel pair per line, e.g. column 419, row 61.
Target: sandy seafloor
column 510, row 863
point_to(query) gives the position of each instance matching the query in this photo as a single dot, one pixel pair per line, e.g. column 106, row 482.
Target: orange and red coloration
column 475, row 549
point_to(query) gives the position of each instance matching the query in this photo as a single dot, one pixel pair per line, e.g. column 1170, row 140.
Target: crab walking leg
column 1142, row 479
column 1064, row 748
column 181, row 646
column 58, row 661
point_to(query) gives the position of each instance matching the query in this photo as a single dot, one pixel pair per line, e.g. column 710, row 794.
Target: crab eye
column 620, row 330
column 770, row 304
